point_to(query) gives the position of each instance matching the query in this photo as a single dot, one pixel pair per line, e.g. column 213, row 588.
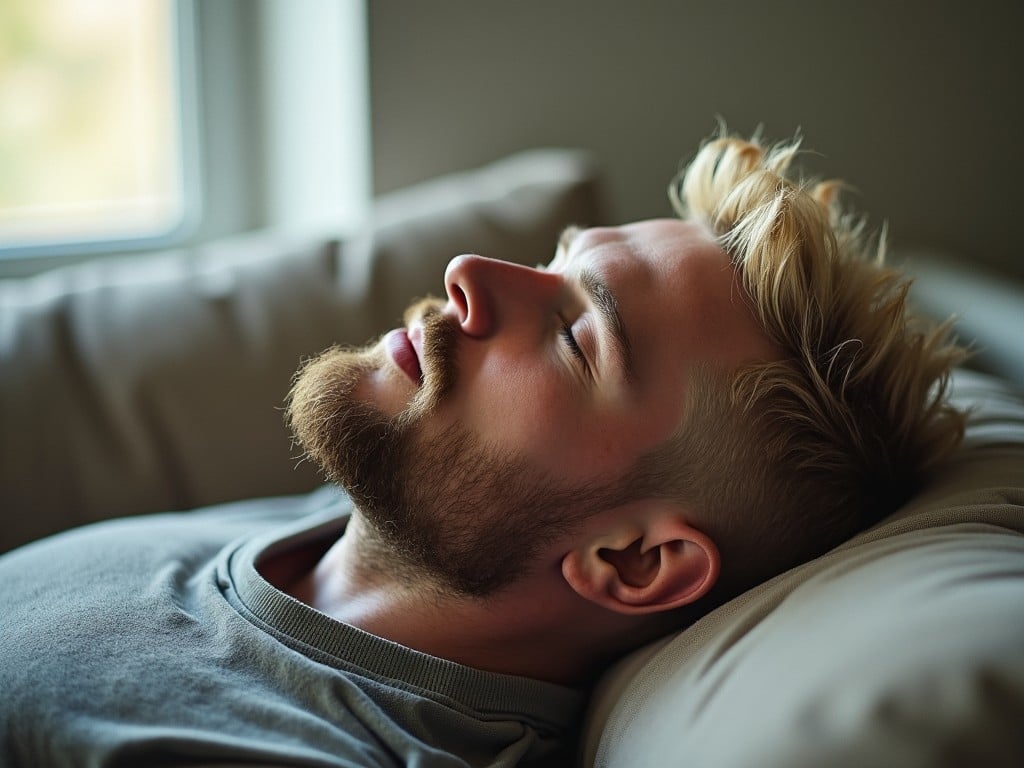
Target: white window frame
column 275, row 127
column 20, row 257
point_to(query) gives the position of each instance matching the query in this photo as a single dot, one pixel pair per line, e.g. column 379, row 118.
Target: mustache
column 441, row 334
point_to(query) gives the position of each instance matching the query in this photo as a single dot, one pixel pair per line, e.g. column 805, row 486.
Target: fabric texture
column 903, row 646
column 153, row 384
column 155, row 641
column 156, row 383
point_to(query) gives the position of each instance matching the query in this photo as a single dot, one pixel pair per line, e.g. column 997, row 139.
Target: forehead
column 672, row 279
column 657, row 243
column 666, row 258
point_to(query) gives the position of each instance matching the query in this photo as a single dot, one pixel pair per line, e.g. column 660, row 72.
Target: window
column 96, row 107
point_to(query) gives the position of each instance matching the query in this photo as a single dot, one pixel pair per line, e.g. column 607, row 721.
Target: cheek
column 542, row 414
column 609, row 444
column 528, row 409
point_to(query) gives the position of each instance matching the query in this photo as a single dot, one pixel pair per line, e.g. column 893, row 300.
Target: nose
column 487, row 293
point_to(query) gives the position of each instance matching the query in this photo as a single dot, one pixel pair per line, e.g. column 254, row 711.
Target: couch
column 140, row 385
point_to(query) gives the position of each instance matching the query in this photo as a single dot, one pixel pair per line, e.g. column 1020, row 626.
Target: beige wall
column 918, row 104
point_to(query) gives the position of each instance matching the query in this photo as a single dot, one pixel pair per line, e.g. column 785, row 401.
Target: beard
column 442, row 508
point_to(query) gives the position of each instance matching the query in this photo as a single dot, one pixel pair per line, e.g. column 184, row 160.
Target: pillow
column 156, row 383
column 904, row 646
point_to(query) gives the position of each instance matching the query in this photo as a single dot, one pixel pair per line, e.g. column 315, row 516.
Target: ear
column 655, row 564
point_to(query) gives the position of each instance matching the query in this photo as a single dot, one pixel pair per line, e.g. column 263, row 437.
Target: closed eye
column 573, row 345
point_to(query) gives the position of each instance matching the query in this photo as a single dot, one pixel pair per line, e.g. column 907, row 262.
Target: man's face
column 495, row 421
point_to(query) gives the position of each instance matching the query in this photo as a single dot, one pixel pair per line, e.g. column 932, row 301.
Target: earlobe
column 660, row 564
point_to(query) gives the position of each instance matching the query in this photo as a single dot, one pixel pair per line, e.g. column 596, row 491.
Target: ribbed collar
column 329, row 641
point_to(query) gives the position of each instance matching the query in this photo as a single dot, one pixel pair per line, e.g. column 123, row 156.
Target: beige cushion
column 902, row 647
column 155, row 383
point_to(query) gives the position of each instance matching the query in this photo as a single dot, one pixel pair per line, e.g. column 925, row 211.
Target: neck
column 537, row 628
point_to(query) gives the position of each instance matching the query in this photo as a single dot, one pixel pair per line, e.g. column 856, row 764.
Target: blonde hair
column 795, row 455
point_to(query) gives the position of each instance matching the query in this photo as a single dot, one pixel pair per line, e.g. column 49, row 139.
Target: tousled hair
column 783, row 460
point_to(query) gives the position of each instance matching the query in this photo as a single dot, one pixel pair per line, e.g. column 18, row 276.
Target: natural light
column 90, row 140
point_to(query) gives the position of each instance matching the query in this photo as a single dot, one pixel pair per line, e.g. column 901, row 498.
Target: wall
column 915, row 103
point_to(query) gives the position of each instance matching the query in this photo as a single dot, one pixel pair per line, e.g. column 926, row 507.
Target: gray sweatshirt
column 155, row 641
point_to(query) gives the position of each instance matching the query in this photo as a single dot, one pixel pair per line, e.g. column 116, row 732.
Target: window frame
column 38, row 253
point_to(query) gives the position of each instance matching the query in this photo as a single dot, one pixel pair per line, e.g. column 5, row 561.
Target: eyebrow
column 608, row 309
column 607, row 305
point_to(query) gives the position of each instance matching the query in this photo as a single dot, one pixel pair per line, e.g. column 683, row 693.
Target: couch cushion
column 154, row 383
column 904, row 646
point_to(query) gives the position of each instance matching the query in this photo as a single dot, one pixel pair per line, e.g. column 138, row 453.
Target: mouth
column 404, row 352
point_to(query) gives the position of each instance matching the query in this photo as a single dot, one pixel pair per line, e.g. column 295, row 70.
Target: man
column 544, row 469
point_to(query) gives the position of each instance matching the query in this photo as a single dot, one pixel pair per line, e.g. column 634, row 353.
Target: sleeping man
column 541, row 471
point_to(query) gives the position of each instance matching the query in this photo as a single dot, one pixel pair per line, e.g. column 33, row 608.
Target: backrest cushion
column 155, row 383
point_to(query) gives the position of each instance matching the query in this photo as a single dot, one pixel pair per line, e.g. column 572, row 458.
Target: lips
column 401, row 350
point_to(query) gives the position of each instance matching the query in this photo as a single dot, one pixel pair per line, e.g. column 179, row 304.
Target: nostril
column 458, row 297
column 469, row 282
